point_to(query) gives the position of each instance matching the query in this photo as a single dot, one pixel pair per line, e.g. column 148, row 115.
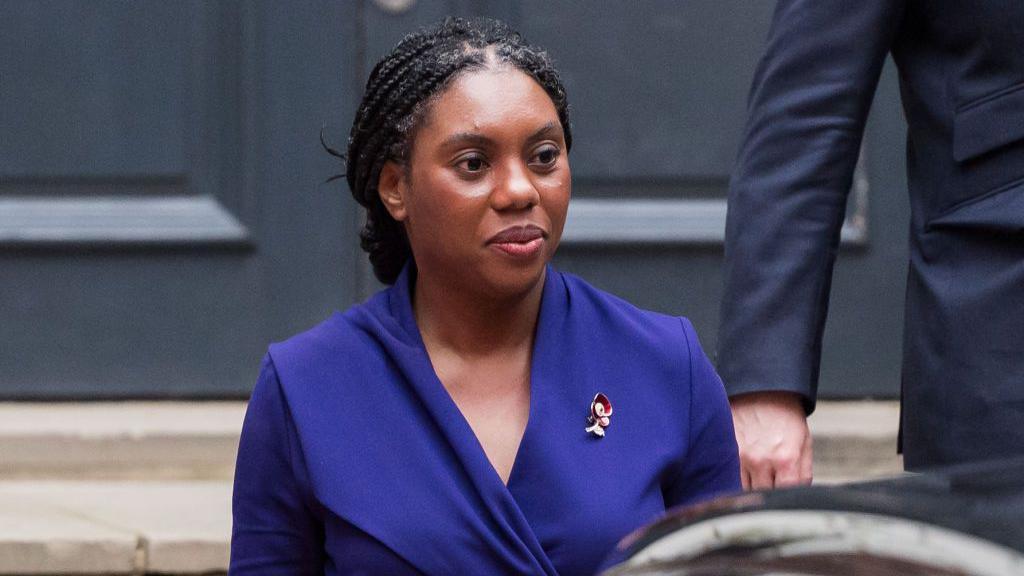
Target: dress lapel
column 547, row 377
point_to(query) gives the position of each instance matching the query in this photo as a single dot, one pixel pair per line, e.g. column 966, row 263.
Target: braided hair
column 398, row 93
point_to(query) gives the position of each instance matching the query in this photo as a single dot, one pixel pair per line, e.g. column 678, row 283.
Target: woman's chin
column 515, row 279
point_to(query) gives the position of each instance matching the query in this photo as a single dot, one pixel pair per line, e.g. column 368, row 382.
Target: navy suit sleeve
column 808, row 103
column 275, row 530
column 711, row 465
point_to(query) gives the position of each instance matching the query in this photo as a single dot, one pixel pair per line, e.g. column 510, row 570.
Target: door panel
column 101, row 88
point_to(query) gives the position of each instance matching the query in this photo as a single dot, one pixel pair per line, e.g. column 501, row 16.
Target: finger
column 807, row 461
column 762, row 477
column 745, row 477
column 787, row 473
column 794, row 468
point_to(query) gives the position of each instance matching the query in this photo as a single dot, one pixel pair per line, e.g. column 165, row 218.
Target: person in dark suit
column 961, row 68
column 484, row 413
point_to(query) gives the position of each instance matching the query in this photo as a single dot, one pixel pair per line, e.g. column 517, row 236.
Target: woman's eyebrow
column 546, row 131
column 465, row 138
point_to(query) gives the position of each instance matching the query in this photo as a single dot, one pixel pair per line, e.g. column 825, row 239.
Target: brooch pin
column 600, row 415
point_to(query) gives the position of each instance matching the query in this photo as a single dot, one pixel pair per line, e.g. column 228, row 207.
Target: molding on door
column 684, row 222
column 119, row 222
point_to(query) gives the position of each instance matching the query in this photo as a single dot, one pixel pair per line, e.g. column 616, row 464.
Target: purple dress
column 355, row 460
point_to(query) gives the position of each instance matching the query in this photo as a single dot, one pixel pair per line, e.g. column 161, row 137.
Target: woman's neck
column 472, row 324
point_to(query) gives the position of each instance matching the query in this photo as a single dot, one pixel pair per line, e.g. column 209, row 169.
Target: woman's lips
column 519, row 241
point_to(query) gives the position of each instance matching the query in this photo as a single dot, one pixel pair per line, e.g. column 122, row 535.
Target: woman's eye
column 471, row 164
column 545, row 157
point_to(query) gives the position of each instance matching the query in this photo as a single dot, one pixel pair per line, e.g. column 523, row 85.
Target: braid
column 400, row 88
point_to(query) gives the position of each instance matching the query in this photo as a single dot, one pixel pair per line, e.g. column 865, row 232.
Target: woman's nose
column 515, row 190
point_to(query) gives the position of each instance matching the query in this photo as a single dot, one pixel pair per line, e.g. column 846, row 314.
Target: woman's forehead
column 490, row 98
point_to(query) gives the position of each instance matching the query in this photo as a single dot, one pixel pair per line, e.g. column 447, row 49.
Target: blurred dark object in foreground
column 963, row 520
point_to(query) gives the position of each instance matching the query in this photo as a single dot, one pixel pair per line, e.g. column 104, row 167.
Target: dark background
column 164, row 216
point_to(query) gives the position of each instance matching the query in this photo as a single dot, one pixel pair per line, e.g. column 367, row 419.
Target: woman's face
column 484, row 196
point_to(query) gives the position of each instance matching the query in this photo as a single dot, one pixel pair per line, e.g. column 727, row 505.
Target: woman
column 442, row 426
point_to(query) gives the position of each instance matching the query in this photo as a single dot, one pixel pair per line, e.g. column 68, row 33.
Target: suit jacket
column 355, row 460
column 961, row 66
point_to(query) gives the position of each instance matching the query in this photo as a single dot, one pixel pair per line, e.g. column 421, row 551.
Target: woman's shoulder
column 665, row 347
column 337, row 341
column 313, row 342
column 625, row 317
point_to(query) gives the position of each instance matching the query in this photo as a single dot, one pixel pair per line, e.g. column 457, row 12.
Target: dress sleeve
column 711, row 464
column 806, row 112
column 275, row 530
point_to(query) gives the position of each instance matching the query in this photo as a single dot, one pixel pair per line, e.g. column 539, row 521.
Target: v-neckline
column 531, row 393
column 440, row 393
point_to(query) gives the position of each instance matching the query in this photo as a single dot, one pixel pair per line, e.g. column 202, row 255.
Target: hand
column 774, row 441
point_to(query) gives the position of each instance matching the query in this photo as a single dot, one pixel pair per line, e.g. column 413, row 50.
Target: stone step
column 855, row 440
column 119, row 440
column 114, row 527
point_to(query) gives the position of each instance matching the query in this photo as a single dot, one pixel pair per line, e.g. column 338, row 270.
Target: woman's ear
column 392, row 189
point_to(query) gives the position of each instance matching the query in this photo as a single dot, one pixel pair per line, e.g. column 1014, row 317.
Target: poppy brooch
column 600, row 415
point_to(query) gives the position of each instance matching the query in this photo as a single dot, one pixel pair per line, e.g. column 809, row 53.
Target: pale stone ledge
column 114, row 527
column 119, row 440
